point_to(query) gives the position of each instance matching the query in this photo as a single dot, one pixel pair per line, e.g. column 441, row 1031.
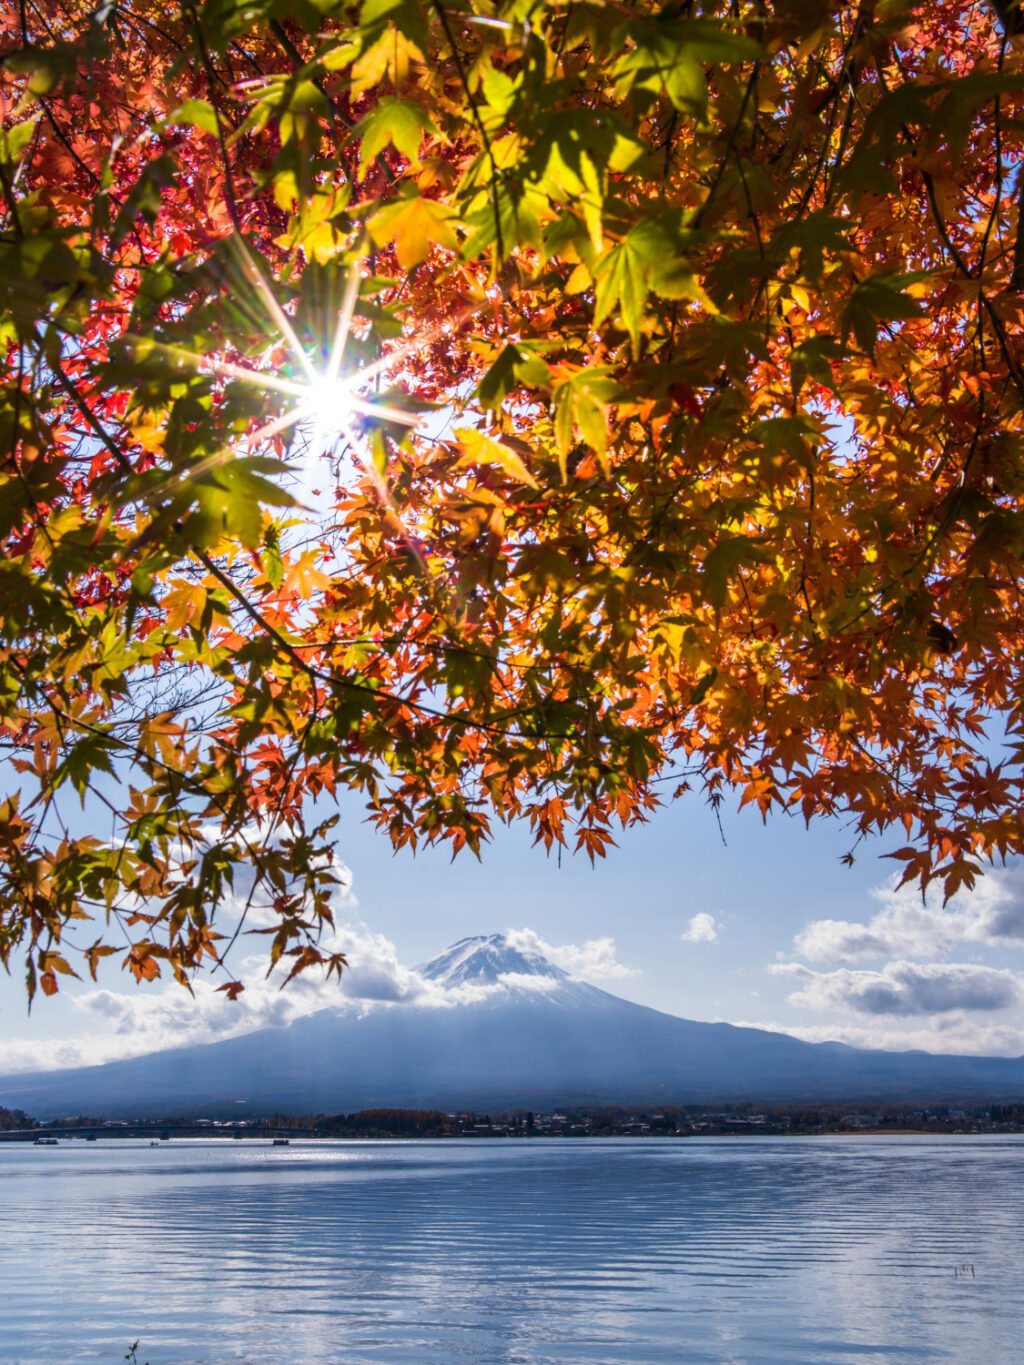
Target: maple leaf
column 483, row 449
column 413, row 225
column 395, row 122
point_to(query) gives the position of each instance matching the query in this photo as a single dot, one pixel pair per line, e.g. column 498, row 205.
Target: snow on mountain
column 488, row 967
column 499, row 1027
column 487, row 960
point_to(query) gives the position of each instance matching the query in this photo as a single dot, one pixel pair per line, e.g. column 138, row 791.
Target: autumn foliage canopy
column 506, row 409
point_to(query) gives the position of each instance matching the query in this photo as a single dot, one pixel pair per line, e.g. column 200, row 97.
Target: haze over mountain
column 499, row 1027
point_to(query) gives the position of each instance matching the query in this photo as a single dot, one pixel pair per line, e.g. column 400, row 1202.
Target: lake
column 544, row 1252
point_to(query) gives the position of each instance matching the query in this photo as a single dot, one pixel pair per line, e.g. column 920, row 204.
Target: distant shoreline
column 694, row 1121
column 60, row 1137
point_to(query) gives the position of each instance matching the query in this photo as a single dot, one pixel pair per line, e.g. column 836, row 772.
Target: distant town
column 729, row 1120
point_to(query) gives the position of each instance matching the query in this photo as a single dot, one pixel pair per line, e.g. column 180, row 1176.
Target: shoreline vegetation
column 730, row 1120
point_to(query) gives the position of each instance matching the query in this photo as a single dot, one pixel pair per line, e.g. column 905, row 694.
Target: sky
column 756, row 924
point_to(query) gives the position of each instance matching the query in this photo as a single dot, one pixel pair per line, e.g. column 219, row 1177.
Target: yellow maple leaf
column 304, row 578
column 388, row 59
column 414, row 225
column 183, row 603
column 150, row 436
column 483, row 449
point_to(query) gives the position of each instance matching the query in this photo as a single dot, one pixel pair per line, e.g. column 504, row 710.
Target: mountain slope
column 518, row 1031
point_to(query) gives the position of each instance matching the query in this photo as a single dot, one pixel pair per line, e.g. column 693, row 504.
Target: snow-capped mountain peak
column 487, row 960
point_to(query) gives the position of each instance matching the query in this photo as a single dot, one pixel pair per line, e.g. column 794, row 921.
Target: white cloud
column 902, row 988
column 117, row 1024
column 907, row 927
column 374, row 971
column 916, row 997
column 955, row 1033
column 702, row 929
column 595, row 959
column 523, row 981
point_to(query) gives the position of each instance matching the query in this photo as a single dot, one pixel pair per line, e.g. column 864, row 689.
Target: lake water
column 620, row 1252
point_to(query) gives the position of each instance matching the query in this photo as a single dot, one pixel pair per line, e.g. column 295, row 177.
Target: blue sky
column 766, row 928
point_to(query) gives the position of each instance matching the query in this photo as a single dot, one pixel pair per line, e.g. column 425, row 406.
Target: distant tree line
column 385, row 1123
column 14, row 1118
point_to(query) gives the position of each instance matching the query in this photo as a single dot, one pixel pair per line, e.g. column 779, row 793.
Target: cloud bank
column 955, row 1033
column 593, row 960
column 906, row 927
column 913, row 995
column 902, row 988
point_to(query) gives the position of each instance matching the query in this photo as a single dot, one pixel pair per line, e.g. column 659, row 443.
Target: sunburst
column 326, row 399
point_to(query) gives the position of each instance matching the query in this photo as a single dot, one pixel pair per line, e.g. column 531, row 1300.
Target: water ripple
column 502, row 1253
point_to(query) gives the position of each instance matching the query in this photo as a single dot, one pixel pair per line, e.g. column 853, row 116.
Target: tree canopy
column 506, row 409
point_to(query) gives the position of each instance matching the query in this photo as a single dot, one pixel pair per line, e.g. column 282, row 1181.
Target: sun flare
column 328, row 408
column 325, row 401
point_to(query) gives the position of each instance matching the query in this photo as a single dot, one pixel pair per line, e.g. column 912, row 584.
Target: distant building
column 859, row 1120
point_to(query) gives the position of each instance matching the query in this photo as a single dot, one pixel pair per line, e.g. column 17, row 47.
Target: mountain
column 503, row 1028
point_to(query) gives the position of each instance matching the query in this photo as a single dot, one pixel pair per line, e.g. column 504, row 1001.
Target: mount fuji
column 497, row 1027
